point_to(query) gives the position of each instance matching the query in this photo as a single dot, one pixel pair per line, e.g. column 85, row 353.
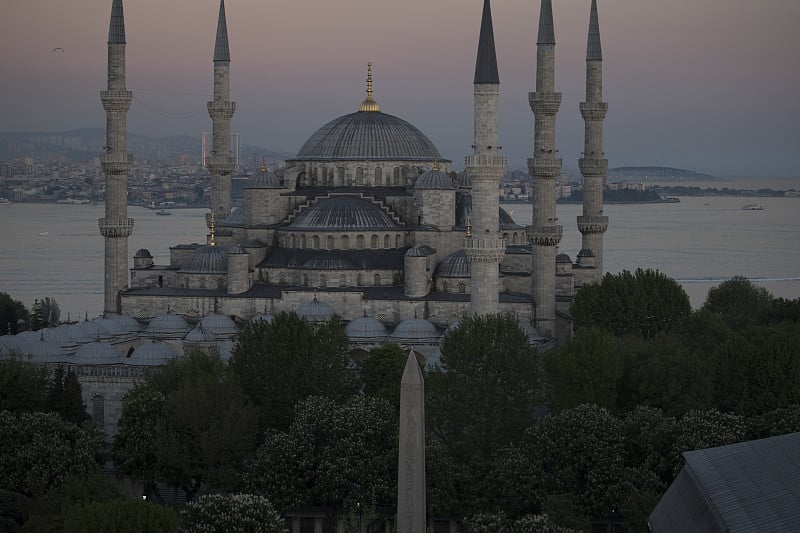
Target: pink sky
column 703, row 84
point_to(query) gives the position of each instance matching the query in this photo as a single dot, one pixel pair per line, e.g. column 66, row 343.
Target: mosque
column 367, row 222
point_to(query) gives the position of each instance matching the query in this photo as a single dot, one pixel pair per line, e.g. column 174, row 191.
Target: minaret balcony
column 115, row 227
column 116, row 163
column 588, row 224
column 593, row 168
column 593, row 110
column 484, row 249
column 116, row 101
column 486, row 167
column 544, row 104
column 544, row 167
column 544, row 235
column 223, row 109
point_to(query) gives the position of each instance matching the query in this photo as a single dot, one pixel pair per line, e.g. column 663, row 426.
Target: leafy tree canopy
column 231, row 513
column 382, row 371
column 646, row 303
column 11, row 312
column 738, row 302
column 120, row 516
column 23, row 386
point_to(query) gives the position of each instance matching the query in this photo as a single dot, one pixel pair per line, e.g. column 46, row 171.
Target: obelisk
column 411, row 461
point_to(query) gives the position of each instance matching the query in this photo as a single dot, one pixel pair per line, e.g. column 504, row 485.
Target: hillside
column 651, row 173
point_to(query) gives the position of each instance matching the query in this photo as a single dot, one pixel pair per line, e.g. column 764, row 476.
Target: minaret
column 593, row 224
column 484, row 247
column 116, row 163
column 221, row 110
column 545, row 233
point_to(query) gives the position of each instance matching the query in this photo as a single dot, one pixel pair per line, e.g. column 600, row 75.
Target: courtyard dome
column 220, row 325
column 434, row 179
column 208, row 260
column 315, row 311
column 169, row 325
column 454, row 265
column 366, row 329
column 343, row 213
column 200, row 334
column 152, row 354
column 124, row 322
column 98, row 353
column 414, row 330
column 368, row 135
column 59, row 335
column 42, row 350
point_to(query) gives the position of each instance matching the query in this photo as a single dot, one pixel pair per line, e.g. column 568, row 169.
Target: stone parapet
column 588, row 224
column 592, row 167
column 488, row 162
column 221, row 109
column 544, row 235
column 116, row 101
column 116, row 163
column 593, row 110
column 544, row 167
column 484, row 249
column 115, row 227
column 544, row 104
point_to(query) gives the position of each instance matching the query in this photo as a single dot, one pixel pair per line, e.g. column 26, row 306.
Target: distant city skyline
column 707, row 85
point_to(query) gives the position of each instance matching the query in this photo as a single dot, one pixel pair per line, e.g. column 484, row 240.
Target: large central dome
column 368, row 135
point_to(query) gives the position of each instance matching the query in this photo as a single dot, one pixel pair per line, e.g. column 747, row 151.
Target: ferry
column 753, row 207
column 163, row 212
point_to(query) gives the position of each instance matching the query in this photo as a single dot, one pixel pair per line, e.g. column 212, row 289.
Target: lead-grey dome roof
column 220, row 325
column 343, row 213
column 366, row 328
column 368, row 136
column 152, row 354
column 413, row 330
column 169, row 325
column 315, row 311
column 434, row 179
column 98, row 353
column 208, row 260
column 454, row 265
column 263, row 179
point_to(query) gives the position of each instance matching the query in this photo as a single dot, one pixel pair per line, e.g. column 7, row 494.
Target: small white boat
column 163, row 212
column 44, row 234
column 753, row 207
column 5, row 201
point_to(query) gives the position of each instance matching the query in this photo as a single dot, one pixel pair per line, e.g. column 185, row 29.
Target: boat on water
column 163, row 212
column 753, row 207
column 44, row 234
column 5, row 201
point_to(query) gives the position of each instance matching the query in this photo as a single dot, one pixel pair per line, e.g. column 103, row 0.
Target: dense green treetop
column 738, row 302
column 382, row 371
column 11, row 312
column 23, row 386
column 120, row 516
column 231, row 513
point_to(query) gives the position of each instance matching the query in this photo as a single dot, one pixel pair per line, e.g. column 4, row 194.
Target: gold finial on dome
column 369, row 104
column 469, row 227
column 263, row 164
column 435, row 164
column 212, row 225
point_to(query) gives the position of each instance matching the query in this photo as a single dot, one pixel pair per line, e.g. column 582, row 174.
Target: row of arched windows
column 302, row 279
column 338, row 177
column 343, row 242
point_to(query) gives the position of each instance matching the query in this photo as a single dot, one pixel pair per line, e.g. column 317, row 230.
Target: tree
column 339, row 456
column 64, row 396
column 738, row 302
column 40, row 450
column 23, row 386
column 285, row 361
column 697, row 430
column 646, row 303
column 382, row 371
column 231, row 513
column 11, row 313
column 187, row 426
column 120, row 516
column 45, row 313
column 587, row 369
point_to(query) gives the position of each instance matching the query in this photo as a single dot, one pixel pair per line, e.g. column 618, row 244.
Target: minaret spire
column 483, row 244
column 116, row 162
column 486, row 64
column 544, row 234
column 592, row 223
column 221, row 110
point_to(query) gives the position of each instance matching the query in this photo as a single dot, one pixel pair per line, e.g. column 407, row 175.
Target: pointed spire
column 594, row 52
column 369, row 104
column 546, row 33
column 221, row 50
column 486, row 64
column 116, row 31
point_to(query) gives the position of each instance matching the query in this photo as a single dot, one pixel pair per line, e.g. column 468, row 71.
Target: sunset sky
column 710, row 85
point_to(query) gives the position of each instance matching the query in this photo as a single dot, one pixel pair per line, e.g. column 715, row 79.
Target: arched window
column 99, row 410
column 398, row 242
column 305, row 280
column 160, row 281
column 360, row 242
column 374, row 242
column 360, row 280
column 342, row 280
column 377, row 280
column 302, row 241
column 341, row 176
column 345, row 242
column 387, row 242
column 323, row 281
column 359, row 176
column 329, row 242
column 294, row 241
column 462, row 287
column 444, row 286
column 324, row 176
column 397, row 176
column 378, row 177
column 316, row 242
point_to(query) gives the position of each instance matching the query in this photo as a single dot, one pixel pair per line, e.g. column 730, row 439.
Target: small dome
column 42, row 350
column 366, row 328
column 78, row 334
column 329, row 262
column 143, row 253
column 59, row 335
column 236, row 249
column 220, row 325
column 417, row 251
column 167, row 326
column 98, row 353
column 464, row 180
column 454, row 265
column 263, row 179
column 414, row 330
column 124, row 322
column 585, row 252
column 563, row 258
column 341, row 213
column 200, row 334
column 152, row 354
column 315, row 311
column 434, row 179
column 208, row 260
column 94, row 329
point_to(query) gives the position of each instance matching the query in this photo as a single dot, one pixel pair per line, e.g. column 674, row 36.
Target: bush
column 231, row 513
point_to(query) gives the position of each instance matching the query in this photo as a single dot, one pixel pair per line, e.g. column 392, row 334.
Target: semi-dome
column 152, row 354
column 343, row 213
column 366, row 329
column 98, row 353
column 454, row 265
column 208, row 260
column 169, row 325
column 263, row 179
column 414, row 330
column 315, row 311
column 418, row 251
column 220, row 325
column 368, row 135
column 434, row 179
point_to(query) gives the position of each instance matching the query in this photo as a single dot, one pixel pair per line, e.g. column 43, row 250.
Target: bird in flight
column 57, row 49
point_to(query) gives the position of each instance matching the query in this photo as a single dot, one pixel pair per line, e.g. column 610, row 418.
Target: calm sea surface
column 56, row 250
